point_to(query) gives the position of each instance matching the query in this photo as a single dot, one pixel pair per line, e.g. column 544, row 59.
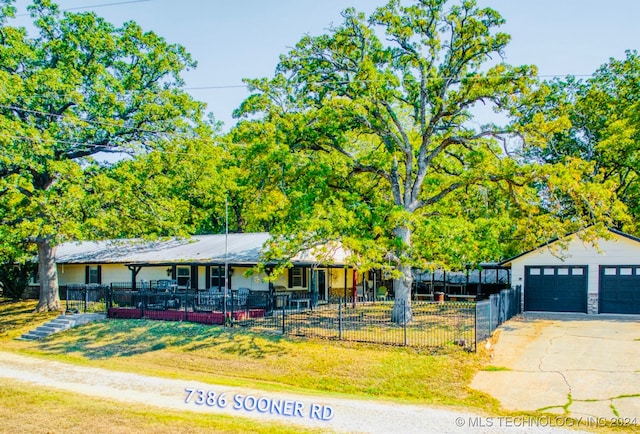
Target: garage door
column 620, row 289
column 555, row 288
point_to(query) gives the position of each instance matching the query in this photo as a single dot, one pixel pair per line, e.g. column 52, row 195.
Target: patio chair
column 381, row 293
column 241, row 297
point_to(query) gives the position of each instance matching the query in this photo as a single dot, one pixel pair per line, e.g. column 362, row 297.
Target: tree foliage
column 605, row 129
column 78, row 89
column 367, row 134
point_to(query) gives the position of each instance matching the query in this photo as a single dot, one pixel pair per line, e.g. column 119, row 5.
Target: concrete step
column 35, row 334
column 61, row 323
column 66, row 319
column 48, row 328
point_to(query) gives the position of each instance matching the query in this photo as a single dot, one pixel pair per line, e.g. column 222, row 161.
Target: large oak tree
column 79, row 88
column 367, row 134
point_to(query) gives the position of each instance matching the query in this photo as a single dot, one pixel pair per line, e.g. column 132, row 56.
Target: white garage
column 582, row 277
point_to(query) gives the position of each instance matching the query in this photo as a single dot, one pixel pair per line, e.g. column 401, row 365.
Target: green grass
column 495, row 368
column 232, row 357
column 29, row 409
column 19, row 317
column 236, row 357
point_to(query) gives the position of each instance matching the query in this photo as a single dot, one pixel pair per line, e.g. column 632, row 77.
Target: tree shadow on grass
column 126, row 338
column 17, row 315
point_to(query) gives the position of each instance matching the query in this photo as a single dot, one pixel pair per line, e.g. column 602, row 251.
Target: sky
column 236, row 39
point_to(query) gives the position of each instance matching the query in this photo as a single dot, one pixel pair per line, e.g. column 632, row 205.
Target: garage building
column 582, row 277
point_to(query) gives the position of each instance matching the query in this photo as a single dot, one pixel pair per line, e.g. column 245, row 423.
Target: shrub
column 14, row 278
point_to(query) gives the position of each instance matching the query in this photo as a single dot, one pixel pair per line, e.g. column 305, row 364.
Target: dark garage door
column 620, row 289
column 555, row 288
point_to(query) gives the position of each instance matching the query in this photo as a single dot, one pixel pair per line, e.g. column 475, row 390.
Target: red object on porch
column 257, row 313
column 166, row 315
column 122, row 312
column 205, row 317
column 213, row 318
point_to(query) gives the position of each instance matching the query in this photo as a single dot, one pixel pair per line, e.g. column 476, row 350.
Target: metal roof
column 242, row 248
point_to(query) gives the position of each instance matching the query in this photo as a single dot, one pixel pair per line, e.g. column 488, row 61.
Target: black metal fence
column 434, row 324
column 84, row 298
column 497, row 309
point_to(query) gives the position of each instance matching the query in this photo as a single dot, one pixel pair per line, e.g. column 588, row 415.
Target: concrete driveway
column 577, row 365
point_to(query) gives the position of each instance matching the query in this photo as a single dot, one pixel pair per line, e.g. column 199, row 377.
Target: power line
column 115, row 150
column 472, row 78
column 92, row 122
column 94, row 6
column 105, row 4
column 341, row 82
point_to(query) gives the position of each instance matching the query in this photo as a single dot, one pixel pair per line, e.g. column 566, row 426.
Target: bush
column 14, row 278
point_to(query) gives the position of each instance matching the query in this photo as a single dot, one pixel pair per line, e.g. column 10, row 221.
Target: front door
column 322, row 284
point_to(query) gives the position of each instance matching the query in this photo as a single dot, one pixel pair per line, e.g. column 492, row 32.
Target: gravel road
column 328, row 413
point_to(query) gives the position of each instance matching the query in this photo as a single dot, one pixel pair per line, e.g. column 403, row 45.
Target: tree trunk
column 402, row 313
column 49, row 297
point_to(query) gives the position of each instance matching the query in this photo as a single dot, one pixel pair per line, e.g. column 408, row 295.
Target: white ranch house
column 198, row 263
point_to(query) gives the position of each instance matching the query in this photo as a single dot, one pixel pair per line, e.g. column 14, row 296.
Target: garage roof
column 507, row 262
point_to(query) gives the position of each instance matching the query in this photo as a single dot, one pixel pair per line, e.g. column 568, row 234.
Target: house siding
column 75, row 274
column 618, row 250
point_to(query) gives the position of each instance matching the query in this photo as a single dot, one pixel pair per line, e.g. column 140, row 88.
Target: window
column 297, row 277
column 217, row 277
column 184, row 275
column 93, row 274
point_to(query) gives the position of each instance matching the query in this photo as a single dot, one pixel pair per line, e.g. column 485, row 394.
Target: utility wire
column 94, row 6
column 83, row 121
column 472, row 78
column 100, row 123
column 342, row 82
column 115, row 150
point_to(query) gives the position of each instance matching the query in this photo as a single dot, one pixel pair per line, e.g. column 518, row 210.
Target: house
column 198, row 263
column 582, row 277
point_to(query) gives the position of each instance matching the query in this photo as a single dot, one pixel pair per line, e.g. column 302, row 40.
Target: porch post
column 134, row 273
column 355, row 286
column 314, row 286
column 345, row 284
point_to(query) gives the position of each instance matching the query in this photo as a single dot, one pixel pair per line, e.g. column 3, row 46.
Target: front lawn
column 268, row 361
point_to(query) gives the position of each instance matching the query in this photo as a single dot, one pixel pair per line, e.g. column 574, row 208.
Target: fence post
column 86, row 298
column 186, row 297
column 404, row 320
column 231, row 317
column 283, row 313
column 108, row 297
column 340, row 319
column 475, row 328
